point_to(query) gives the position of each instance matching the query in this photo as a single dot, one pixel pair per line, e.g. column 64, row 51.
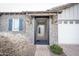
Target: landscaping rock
column 15, row 45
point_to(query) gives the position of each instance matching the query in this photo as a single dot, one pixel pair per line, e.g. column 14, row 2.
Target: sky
column 30, row 5
column 26, row 7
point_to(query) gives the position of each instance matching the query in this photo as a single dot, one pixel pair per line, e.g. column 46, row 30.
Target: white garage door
column 68, row 32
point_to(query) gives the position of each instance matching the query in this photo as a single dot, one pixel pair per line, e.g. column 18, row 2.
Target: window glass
column 77, row 22
column 71, row 22
column 15, row 26
column 65, row 22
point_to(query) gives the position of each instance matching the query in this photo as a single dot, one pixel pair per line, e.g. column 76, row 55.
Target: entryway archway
column 41, row 30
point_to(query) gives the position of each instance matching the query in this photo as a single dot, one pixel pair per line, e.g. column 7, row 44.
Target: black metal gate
column 39, row 40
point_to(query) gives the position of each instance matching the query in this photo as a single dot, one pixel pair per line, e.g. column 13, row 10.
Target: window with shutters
column 15, row 24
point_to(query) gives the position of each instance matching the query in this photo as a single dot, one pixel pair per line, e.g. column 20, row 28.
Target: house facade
column 55, row 26
column 36, row 26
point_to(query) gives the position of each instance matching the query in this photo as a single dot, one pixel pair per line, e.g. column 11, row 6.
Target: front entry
column 41, row 30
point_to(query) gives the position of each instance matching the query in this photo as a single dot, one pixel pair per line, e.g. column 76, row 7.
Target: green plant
column 56, row 49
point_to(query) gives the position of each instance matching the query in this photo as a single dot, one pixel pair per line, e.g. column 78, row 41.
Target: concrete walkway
column 69, row 50
column 42, row 50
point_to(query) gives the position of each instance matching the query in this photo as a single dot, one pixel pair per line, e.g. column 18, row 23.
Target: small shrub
column 56, row 49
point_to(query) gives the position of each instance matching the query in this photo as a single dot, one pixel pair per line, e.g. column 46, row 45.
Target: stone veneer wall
column 29, row 27
column 32, row 25
column 4, row 19
column 53, row 30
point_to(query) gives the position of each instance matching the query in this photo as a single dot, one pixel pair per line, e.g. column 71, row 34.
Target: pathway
column 42, row 50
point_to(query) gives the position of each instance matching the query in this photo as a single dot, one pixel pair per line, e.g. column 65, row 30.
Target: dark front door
column 41, row 31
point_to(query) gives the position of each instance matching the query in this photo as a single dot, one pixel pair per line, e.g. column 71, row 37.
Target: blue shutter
column 20, row 24
column 10, row 24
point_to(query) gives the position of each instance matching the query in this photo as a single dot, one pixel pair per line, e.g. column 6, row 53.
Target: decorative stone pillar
column 50, row 32
column 53, row 30
column 32, row 30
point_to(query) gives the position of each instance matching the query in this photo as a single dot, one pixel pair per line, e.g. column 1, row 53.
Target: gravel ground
column 15, row 45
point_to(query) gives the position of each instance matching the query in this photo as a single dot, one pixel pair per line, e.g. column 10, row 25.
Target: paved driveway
column 71, row 50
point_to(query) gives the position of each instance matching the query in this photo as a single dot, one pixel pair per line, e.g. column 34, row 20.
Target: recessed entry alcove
column 41, row 30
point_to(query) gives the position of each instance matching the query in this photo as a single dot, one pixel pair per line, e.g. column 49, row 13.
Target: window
column 15, row 24
column 65, row 22
column 39, row 30
column 76, row 21
column 71, row 22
